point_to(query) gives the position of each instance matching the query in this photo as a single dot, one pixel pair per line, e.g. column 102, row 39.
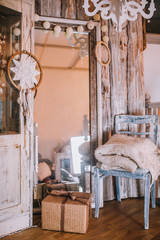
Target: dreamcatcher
column 25, row 74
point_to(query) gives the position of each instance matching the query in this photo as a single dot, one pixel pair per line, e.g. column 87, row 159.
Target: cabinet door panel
column 16, row 148
column 10, row 177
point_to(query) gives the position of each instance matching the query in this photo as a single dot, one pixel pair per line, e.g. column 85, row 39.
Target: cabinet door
column 15, row 142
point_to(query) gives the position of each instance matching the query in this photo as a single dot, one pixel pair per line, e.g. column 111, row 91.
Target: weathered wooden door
column 15, row 142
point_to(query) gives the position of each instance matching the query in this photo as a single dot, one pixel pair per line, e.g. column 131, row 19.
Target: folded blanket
column 116, row 162
column 129, row 152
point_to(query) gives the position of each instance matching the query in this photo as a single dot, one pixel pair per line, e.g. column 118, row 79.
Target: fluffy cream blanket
column 129, row 153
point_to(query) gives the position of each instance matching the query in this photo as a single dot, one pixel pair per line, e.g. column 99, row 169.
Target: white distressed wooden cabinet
column 16, row 151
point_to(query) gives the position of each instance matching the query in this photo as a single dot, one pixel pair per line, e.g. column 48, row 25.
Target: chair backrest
column 150, row 122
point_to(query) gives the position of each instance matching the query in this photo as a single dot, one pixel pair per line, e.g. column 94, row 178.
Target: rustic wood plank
column 50, row 8
column 118, row 71
column 69, row 9
column 14, row 4
column 93, row 96
column 106, row 91
column 80, row 10
column 27, row 44
column 136, row 92
column 106, row 117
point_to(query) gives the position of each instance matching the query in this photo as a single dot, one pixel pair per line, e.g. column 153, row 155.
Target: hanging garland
column 69, row 32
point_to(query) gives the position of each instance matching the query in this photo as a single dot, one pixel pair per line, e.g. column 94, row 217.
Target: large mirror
column 62, row 106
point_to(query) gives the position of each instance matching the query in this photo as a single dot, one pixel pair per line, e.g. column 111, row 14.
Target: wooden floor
column 117, row 221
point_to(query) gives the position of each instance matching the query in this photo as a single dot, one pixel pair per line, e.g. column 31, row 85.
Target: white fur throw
column 129, row 152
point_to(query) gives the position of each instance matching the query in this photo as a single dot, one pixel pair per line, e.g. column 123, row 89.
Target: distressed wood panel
column 80, row 11
column 136, row 93
column 10, row 150
column 62, row 8
column 69, row 9
column 109, row 184
column 27, row 27
column 14, row 4
column 20, row 222
column 27, row 153
column 49, row 8
column 118, row 72
column 10, row 176
column 106, row 100
column 93, row 96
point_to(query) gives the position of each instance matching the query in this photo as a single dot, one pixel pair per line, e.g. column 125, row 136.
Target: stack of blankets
column 129, row 153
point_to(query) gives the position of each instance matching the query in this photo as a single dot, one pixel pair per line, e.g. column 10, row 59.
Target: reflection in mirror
column 10, row 42
column 62, row 109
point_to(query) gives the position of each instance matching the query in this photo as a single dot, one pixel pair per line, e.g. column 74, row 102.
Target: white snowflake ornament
column 25, row 71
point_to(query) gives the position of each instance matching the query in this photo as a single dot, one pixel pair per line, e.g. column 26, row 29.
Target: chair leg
column 146, row 201
column 97, row 191
column 118, row 189
column 153, row 194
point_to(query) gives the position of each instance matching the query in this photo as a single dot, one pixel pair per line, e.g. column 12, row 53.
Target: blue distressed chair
column 151, row 122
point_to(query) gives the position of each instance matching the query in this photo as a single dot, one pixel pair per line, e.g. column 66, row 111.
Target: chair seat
column 138, row 170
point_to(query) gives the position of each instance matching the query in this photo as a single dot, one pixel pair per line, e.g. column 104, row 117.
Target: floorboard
column 117, row 221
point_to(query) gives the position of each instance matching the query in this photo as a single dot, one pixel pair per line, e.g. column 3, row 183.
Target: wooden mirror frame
column 94, row 77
